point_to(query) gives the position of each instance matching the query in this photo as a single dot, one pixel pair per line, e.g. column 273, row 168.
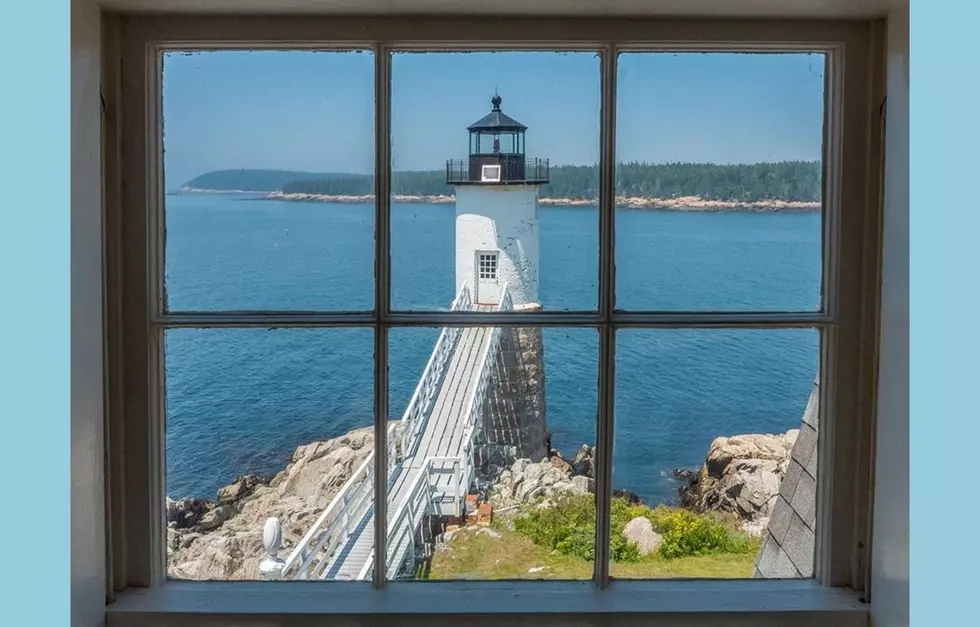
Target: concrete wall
column 890, row 535
column 88, row 552
column 490, row 217
column 788, row 542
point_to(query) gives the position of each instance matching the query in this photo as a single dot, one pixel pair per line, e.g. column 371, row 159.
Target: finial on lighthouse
column 496, row 100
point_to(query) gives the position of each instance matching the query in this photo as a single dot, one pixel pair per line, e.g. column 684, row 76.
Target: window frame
column 137, row 318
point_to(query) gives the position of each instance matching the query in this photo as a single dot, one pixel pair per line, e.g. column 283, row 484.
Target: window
column 491, row 173
column 488, row 266
column 469, row 345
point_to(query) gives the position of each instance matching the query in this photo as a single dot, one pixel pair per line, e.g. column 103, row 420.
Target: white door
column 487, row 287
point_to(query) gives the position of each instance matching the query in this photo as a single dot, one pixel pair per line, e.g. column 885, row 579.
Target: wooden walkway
column 441, row 436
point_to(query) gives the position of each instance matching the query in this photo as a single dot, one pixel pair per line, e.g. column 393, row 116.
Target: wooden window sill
column 787, row 603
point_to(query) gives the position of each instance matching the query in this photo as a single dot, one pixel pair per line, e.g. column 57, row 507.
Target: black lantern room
column 497, row 154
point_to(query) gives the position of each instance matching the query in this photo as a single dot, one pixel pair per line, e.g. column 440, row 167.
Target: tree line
column 786, row 180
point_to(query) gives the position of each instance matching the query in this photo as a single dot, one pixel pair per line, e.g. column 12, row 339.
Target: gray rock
column 741, row 475
column 517, row 469
column 214, row 518
column 240, row 488
column 640, row 531
column 583, row 463
column 583, row 484
column 560, row 464
column 187, row 513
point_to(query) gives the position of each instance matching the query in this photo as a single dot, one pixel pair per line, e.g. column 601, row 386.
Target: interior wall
column 890, row 549
column 88, row 571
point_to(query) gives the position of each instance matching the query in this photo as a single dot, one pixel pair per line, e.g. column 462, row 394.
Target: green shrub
column 686, row 534
column 568, row 527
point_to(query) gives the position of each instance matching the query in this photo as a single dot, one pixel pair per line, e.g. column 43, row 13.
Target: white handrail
column 360, row 476
column 424, row 393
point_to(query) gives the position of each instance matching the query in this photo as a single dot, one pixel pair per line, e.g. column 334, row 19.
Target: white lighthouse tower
column 496, row 245
column 497, row 212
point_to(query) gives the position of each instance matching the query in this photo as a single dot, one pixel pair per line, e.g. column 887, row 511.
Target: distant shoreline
column 683, row 203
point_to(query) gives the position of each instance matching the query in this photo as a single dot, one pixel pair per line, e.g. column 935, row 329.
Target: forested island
column 786, row 184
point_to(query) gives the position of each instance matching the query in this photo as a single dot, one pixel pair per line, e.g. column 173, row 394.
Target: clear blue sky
column 314, row 110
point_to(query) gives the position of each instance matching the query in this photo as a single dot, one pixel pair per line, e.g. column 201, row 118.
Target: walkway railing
column 428, row 386
column 347, row 515
column 332, row 529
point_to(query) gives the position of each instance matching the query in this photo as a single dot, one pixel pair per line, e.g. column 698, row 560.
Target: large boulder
column 640, row 532
column 741, row 475
column 225, row 539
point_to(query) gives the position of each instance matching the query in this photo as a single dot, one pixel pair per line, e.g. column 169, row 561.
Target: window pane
column 715, row 453
column 265, row 424
column 718, row 181
column 492, row 433
column 466, row 184
column 255, row 144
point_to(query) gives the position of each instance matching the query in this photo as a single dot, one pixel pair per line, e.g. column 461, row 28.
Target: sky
column 314, row 111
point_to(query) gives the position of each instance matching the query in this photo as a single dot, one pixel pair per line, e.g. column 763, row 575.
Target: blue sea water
column 241, row 400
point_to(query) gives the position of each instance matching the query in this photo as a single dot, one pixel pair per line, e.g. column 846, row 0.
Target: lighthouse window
column 488, row 266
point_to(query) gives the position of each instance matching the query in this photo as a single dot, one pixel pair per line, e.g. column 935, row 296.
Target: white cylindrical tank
column 497, row 242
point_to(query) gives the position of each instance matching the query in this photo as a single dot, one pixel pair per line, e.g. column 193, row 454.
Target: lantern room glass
column 504, row 142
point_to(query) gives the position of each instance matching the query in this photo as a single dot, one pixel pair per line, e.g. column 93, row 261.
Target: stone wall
column 515, row 421
column 788, row 541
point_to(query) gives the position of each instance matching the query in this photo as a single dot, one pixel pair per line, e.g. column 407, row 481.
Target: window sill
column 786, row 603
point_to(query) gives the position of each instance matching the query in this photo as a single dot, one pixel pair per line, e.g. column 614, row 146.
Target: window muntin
column 488, row 266
column 822, row 320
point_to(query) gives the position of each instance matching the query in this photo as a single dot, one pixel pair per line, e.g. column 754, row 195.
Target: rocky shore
column 683, row 203
column 222, row 539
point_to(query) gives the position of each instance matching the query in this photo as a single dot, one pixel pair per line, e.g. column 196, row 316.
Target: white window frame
column 136, row 320
column 492, row 168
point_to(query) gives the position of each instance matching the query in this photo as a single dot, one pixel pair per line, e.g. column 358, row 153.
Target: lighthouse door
column 487, row 287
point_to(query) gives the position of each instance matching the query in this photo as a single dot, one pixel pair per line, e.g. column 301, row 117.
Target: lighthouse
column 497, row 245
column 497, row 211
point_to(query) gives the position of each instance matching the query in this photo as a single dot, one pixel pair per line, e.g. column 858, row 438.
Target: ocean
column 240, row 400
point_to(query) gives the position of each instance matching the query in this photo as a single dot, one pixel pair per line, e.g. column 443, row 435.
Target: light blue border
column 944, row 300
column 35, row 311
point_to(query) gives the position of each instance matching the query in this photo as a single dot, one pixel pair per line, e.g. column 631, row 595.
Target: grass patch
column 568, row 527
column 474, row 555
